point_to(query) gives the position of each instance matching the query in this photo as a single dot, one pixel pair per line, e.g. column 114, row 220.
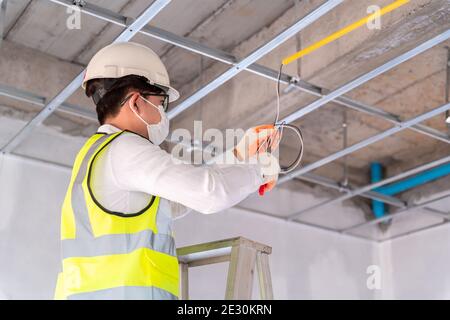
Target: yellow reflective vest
column 111, row 255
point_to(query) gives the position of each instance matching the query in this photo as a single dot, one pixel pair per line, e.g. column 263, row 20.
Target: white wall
column 305, row 263
column 30, row 200
column 417, row 266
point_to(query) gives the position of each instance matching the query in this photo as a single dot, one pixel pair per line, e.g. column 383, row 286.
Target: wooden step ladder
column 243, row 255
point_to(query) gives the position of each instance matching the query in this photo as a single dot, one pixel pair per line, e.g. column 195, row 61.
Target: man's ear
column 132, row 102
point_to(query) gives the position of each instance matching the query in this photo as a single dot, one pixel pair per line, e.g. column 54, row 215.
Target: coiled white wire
column 280, row 130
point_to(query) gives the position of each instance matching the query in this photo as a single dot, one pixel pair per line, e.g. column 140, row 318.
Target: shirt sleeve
column 140, row 166
column 178, row 211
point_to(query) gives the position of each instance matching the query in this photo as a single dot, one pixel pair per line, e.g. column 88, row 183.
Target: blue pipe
column 376, row 174
column 417, row 180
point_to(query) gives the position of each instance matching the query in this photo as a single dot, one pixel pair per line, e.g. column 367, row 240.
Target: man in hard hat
column 125, row 191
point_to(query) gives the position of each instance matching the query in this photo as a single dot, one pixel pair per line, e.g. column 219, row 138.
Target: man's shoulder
column 132, row 134
column 128, row 143
column 129, row 137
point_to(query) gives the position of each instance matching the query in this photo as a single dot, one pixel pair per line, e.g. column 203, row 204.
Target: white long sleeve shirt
column 132, row 168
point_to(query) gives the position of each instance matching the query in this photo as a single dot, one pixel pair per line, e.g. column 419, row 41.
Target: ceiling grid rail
column 362, row 190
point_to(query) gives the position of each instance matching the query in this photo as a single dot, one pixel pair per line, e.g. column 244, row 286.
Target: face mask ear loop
column 134, row 111
column 153, row 105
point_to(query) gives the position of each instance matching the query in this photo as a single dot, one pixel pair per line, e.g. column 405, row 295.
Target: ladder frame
column 244, row 257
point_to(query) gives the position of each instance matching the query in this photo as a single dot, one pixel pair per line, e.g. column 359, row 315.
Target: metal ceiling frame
column 378, row 137
column 367, row 77
column 401, row 213
column 254, row 56
column 398, row 214
column 362, row 144
column 415, row 231
column 248, row 64
column 32, row 98
column 375, row 185
column 331, row 184
column 224, row 57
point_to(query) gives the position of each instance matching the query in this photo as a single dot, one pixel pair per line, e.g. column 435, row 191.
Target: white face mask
column 157, row 133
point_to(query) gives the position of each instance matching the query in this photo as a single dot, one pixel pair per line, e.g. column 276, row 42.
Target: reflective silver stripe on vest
column 125, row 293
column 164, row 219
column 118, row 244
column 83, row 225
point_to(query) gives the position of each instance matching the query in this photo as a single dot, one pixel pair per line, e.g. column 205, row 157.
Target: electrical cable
column 280, row 130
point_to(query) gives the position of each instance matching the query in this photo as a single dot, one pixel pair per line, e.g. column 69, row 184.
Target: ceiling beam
column 35, row 99
column 254, row 56
column 362, row 144
column 401, row 213
column 367, row 77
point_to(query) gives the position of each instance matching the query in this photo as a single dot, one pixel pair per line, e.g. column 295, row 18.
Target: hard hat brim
column 173, row 94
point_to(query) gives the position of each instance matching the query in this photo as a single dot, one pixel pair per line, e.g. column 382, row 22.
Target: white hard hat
column 127, row 58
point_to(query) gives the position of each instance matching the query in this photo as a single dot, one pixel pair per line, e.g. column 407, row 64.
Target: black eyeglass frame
column 165, row 102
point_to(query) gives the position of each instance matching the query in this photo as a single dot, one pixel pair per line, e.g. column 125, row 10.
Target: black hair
column 108, row 93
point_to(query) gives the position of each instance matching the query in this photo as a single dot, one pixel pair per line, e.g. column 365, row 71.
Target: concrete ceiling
column 40, row 55
column 220, row 24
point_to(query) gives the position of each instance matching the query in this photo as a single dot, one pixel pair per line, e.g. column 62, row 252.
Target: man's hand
column 270, row 168
column 257, row 140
